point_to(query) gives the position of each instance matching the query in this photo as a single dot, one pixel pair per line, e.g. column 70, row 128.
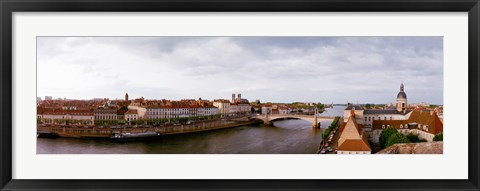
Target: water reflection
column 286, row 137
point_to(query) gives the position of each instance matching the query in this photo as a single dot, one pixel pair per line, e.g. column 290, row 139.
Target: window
column 390, row 118
column 385, row 118
column 401, row 126
column 383, row 126
column 365, row 118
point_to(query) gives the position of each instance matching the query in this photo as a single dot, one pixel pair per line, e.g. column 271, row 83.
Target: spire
column 401, row 86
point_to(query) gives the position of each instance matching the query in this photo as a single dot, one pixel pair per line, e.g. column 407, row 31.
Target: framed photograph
column 189, row 95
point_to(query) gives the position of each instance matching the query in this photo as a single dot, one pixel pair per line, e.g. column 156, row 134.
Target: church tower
column 401, row 100
column 126, row 96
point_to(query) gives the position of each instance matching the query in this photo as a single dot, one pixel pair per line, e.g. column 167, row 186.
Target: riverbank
column 106, row 132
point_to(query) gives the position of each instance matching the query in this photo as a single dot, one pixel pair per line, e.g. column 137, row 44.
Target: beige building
column 131, row 115
column 238, row 106
column 66, row 116
column 223, row 106
column 170, row 112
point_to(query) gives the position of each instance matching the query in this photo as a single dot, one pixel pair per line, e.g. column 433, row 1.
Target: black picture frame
column 7, row 7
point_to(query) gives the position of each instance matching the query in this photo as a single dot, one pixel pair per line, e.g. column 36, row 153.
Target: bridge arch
column 314, row 119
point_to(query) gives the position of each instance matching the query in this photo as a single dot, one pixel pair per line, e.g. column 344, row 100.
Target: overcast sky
column 272, row 69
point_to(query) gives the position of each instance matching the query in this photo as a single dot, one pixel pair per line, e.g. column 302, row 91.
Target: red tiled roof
column 131, row 111
column 428, row 118
column 69, row 112
column 352, row 137
column 354, row 145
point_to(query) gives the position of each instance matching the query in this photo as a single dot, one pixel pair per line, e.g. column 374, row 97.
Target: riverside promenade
column 106, row 132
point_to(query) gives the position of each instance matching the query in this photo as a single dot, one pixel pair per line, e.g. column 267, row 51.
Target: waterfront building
column 121, row 114
column 223, row 106
column 283, row 110
column 105, row 114
column 52, row 116
column 166, row 109
column 131, row 115
column 233, row 109
column 353, row 140
column 243, row 105
column 267, row 109
column 237, row 106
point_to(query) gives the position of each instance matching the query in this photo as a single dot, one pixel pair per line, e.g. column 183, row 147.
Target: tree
column 438, row 137
column 413, row 138
column 396, row 138
column 386, row 133
column 325, row 133
column 319, row 105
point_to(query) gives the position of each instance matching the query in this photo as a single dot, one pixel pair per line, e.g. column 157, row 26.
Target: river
column 284, row 137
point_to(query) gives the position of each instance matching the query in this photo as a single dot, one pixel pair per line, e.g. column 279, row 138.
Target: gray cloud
column 280, row 69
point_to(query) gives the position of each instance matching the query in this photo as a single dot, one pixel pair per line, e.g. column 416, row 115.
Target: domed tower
column 401, row 100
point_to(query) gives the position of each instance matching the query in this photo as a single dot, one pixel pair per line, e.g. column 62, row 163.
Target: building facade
column 105, row 114
column 85, row 117
column 399, row 116
column 353, row 140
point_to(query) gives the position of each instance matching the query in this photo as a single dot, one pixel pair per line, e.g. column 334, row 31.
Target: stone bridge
column 314, row 119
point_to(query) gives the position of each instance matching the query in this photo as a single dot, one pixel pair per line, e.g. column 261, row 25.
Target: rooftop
column 414, row 148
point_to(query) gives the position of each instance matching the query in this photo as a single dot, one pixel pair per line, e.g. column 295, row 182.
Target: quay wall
column 107, row 132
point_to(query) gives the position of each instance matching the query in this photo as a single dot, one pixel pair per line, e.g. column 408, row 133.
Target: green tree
column 325, row 133
column 396, row 138
column 413, row 138
column 438, row 137
column 386, row 133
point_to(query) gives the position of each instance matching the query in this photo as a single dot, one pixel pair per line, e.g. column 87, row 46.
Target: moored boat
column 144, row 136
column 46, row 134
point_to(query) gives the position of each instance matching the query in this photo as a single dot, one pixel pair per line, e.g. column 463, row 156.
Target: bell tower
column 401, row 99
